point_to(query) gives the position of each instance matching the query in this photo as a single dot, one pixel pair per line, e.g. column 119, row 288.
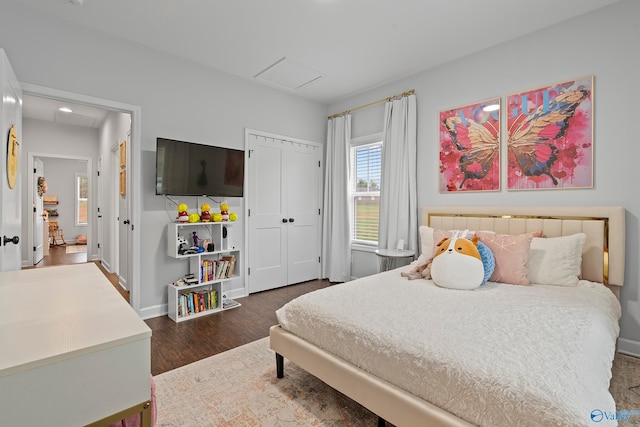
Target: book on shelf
column 191, row 302
column 217, row 269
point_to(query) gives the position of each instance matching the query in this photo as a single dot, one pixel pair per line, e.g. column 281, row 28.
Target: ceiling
column 322, row 50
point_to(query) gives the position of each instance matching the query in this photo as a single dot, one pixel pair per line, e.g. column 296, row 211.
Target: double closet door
column 284, row 217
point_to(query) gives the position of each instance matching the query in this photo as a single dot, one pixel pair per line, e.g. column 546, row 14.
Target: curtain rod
column 371, row 104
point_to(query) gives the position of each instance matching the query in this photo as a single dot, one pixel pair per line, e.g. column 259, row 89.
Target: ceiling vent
column 288, row 74
column 74, row 119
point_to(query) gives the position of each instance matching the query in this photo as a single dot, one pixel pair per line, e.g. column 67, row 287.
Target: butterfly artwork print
column 550, row 137
column 470, row 147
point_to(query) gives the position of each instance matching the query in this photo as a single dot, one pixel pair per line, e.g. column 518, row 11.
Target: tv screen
column 189, row 169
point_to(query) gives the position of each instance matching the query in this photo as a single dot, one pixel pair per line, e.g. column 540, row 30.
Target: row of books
column 190, row 302
column 217, row 269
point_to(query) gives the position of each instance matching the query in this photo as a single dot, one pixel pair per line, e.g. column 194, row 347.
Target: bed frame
column 603, row 261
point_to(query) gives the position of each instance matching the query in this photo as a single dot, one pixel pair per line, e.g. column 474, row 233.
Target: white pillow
column 556, row 260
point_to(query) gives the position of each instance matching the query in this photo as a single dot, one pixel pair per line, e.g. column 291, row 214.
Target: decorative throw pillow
column 556, row 260
column 511, row 253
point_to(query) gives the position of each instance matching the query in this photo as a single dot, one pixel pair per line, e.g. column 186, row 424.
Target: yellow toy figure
column 183, row 214
column 194, row 217
column 233, row 216
column 217, row 217
column 224, row 211
column 205, row 216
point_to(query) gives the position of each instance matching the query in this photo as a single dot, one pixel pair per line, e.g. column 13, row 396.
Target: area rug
column 239, row 388
column 76, row 249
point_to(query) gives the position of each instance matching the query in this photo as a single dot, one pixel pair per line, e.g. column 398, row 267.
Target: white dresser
column 72, row 351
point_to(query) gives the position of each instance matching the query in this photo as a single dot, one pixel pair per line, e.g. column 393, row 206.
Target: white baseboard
column 629, row 347
column 155, row 311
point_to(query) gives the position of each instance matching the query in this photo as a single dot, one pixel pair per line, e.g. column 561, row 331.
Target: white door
column 303, row 212
column 124, row 223
column 10, row 189
column 99, row 204
column 283, row 212
column 38, row 207
column 267, row 241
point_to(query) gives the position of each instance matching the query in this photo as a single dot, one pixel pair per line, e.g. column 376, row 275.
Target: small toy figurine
column 183, row 215
column 194, row 217
column 195, row 239
column 217, row 217
column 233, row 216
column 224, row 211
column 205, row 216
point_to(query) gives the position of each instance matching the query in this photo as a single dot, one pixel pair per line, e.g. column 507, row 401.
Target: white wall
column 603, row 44
column 58, row 140
column 178, row 99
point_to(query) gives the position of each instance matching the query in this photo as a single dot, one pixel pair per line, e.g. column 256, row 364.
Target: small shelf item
column 213, row 265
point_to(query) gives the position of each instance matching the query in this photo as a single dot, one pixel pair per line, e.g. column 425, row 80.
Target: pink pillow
column 511, row 252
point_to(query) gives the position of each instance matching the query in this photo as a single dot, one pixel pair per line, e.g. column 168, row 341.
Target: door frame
column 133, row 175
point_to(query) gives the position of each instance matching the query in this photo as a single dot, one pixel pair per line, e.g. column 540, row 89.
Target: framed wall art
column 470, row 147
column 123, row 154
column 123, row 183
column 550, row 136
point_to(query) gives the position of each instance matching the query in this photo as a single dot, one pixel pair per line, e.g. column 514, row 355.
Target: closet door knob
column 290, row 219
column 285, row 220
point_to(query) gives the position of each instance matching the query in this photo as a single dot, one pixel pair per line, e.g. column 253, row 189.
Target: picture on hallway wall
column 123, row 154
column 470, row 147
column 550, row 137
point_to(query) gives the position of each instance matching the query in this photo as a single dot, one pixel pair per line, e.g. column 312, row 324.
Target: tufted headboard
column 603, row 255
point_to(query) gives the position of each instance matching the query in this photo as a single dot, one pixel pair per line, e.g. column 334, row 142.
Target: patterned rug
column 239, row 388
column 76, row 249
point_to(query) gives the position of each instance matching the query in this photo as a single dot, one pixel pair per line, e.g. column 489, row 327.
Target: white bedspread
column 500, row 355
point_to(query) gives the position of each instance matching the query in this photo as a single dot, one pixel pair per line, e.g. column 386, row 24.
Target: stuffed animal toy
column 205, row 215
column 458, row 264
column 224, row 211
column 183, row 213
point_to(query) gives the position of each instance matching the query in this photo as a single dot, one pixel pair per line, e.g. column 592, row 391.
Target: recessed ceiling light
column 65, row 110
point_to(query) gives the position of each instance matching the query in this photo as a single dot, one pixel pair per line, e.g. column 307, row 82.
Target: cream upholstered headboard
column 603, row 255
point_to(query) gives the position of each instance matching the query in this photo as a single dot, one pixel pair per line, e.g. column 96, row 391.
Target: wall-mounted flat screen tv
column 190, row 169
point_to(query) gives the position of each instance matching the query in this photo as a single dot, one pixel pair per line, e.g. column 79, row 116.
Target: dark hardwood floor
column 178, row 344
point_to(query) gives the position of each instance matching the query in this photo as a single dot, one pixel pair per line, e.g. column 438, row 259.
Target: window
column 365, row 182
column 82, row 199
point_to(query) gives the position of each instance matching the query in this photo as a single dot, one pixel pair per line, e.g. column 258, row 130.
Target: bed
column 417, row 354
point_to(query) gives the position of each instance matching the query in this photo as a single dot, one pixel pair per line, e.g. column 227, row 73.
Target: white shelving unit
column 221, row 236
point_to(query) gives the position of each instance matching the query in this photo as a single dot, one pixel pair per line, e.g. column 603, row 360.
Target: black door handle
column 14, row 240
column 284, row 220
column 290, row 219
column 126, row 221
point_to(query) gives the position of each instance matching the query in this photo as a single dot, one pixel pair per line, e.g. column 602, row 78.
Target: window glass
column 82, row 199
column 366, row 171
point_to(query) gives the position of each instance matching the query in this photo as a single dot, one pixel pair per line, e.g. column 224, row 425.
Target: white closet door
column 284, row 218
column 267, row 238
column 302, row 183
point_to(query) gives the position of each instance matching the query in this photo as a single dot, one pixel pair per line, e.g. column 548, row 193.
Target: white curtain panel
column 398, row 196
column 336, row 228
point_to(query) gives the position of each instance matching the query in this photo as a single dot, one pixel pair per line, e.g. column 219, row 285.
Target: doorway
column 59, row 203
column 133, row 177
